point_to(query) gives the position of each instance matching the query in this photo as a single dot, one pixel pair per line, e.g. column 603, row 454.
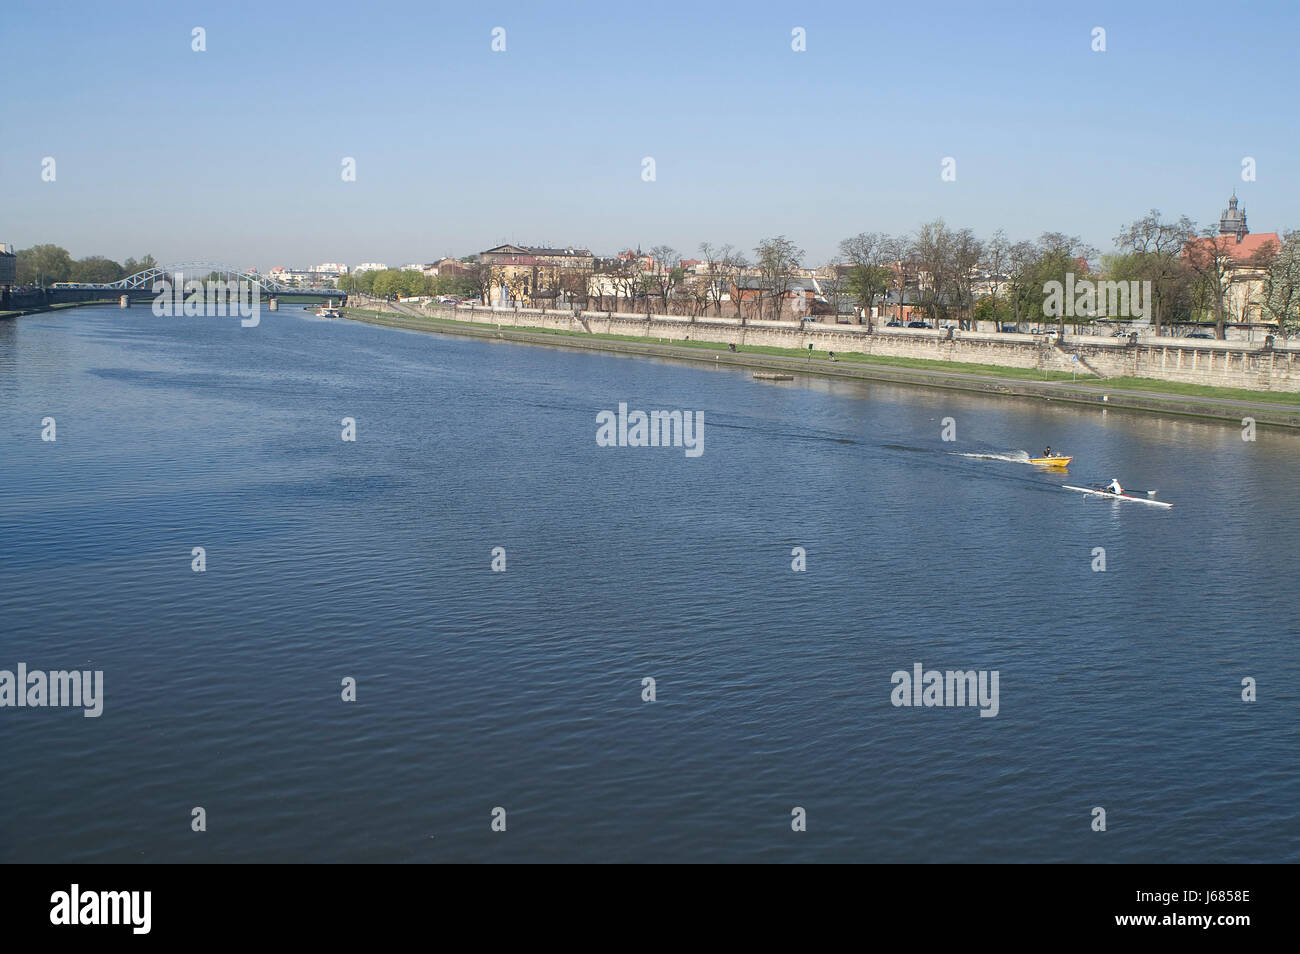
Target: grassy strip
column 1202, row 390
column 1112, row 385
column 923, row 364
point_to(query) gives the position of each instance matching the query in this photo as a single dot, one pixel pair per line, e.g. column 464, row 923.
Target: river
column 371, row 560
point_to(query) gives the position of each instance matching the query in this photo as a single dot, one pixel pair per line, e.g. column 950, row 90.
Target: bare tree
column 698, row 293
column 777, row 258
column 900, row 258
column 870, row 254
column 1210, row 258
column 834, row 288
column 627, row 278
column 1022, row 259
column 934, row 250
column 1156, row 247
column 666, row 273
column 966, row 254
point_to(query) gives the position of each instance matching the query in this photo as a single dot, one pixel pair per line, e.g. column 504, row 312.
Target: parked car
column 1119, row 334
column 1200, row 334
column 917, row 324
column 894, row 324
column 1010, row 330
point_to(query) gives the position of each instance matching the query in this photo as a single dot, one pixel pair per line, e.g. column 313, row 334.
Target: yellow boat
column 1056, row 460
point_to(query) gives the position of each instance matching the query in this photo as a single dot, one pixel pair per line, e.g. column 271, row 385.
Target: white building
column 370, row 267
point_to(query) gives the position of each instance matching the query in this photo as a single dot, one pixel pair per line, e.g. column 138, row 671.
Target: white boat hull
column 1106, row 494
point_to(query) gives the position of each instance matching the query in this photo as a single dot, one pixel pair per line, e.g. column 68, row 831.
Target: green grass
column 923, row 364
column 1201, row 390
column 1112, row 385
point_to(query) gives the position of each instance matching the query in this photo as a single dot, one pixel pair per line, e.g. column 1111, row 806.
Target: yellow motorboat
column 1056, row 460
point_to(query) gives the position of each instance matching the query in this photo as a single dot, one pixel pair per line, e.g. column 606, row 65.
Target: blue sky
column 234, row 154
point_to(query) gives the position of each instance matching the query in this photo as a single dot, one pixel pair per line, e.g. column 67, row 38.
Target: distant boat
column 328, row 311
column 1056, row 460
column 772, row 376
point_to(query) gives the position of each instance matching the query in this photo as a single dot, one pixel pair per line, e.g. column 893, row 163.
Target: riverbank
column 57, row 306
column 1130, row 394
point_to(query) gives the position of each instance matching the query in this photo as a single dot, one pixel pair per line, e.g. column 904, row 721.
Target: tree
column 387, row 282
column 869, row 252
column 95, row 269
column 43, row 265
column 131, row 266
column 736, row 264
column 626, row 278
column 777, row 258
column 1058, row 255
column 1281, row 282
column 1022, row 261
column 834, row 288
column 996, row 252
column 864, row 284
column 900, row 259
column 966, row 254
column 698, row 294
column 667, row 273
column 410, row 284
column 933, row 251
column 988, row 308
column 1155, row 250
column 1210, row 258
column 480, row 280
column 723, row 265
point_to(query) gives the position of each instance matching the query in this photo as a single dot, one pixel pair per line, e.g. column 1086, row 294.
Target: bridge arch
column 143, row 281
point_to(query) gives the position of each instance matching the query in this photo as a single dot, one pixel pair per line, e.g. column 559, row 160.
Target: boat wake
column 1015, row 457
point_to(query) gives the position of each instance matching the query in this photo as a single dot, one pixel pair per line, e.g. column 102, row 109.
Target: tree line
column 47, row 264
column 953, row 275
column 407, row 283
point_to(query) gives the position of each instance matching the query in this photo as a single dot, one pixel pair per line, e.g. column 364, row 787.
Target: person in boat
column 1047, row 452
column 1114, row 487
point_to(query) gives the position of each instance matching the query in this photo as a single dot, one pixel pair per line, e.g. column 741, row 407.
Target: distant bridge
column 141, row 283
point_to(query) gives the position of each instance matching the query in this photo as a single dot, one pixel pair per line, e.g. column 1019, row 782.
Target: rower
column 1114, row 486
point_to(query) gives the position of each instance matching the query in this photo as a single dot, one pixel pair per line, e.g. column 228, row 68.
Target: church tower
column 1233, row 220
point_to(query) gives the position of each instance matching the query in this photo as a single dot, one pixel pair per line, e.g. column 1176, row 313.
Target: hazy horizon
column 234, row 153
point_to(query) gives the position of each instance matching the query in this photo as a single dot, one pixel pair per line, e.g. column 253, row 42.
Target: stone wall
column 1217, row 363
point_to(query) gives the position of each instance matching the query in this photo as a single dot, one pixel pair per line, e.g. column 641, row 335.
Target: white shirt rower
column 1114, row 486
